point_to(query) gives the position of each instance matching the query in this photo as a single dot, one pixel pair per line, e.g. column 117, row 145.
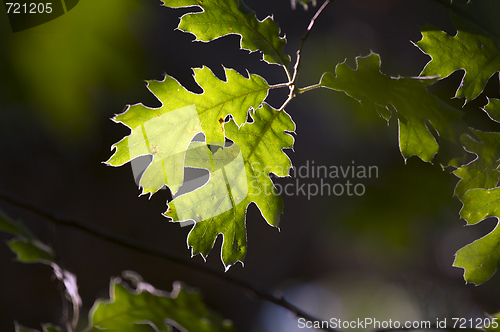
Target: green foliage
column 471, row 50
column 493, row 109
column 220, row 206
column 31, row 250
column 183, row 115
column 481, row 172
column 480, row 258
column 406, row 97
column 145, row 308
column 224, row 17
column 239, row 174
column 244, row 143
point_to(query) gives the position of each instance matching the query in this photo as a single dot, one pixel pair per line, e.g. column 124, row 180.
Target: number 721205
column 478, row 323
column 29, row 8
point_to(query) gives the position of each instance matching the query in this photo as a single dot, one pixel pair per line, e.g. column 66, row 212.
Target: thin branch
column 304, row 38
column 281, row 85
column 158, row 252
column 291, row 95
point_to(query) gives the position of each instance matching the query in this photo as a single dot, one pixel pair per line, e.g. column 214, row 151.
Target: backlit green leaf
column 166, row 132
column 146, row 308
column 224, row 17
column 480, row 258
column 493, row 109
column 471, row 49
column 483, row 171
column 408, row 97
column 239, row 177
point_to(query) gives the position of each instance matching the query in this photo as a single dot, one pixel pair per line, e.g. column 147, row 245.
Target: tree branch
column 158, row 252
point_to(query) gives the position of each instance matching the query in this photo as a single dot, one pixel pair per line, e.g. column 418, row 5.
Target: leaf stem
column 307, row 88
column 151, row 250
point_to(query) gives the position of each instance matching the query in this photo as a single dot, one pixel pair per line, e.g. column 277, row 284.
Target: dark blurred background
column 386, row 254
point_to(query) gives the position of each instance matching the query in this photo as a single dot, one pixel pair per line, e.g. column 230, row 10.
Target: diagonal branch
column 158, row 252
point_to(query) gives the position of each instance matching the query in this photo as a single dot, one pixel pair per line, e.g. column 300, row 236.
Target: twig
column 304, row 38
column 158, row 252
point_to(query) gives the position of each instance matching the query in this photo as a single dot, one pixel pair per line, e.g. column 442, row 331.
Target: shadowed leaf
column 482, row 172
column 480, row 258
column 471, row 49
column 407, row 98
column 224, row 17
column 146, row 308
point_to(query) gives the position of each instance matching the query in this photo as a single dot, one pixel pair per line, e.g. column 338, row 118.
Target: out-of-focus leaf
column 480, row 258
column 408, row 97
column 471, row 49
column 45, row 327
column 224, row 17
column 489, row 325
column 50, row 328
column 482, row 172
column 7, row 225
column 20, row 328
column 166, row 132
column 54, row 66
column 27, row 247
column 304, row 3
column 31, row 251
column 146, row 308
column 71, row 287
column 239, row 175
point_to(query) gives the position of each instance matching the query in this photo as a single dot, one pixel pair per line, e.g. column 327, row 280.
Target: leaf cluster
column 235, row 110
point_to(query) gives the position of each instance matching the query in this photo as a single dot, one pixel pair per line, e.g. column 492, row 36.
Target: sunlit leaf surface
column 166, row 132
column 239, row 175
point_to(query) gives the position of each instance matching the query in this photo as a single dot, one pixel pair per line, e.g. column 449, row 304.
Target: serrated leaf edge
column 271, row 17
